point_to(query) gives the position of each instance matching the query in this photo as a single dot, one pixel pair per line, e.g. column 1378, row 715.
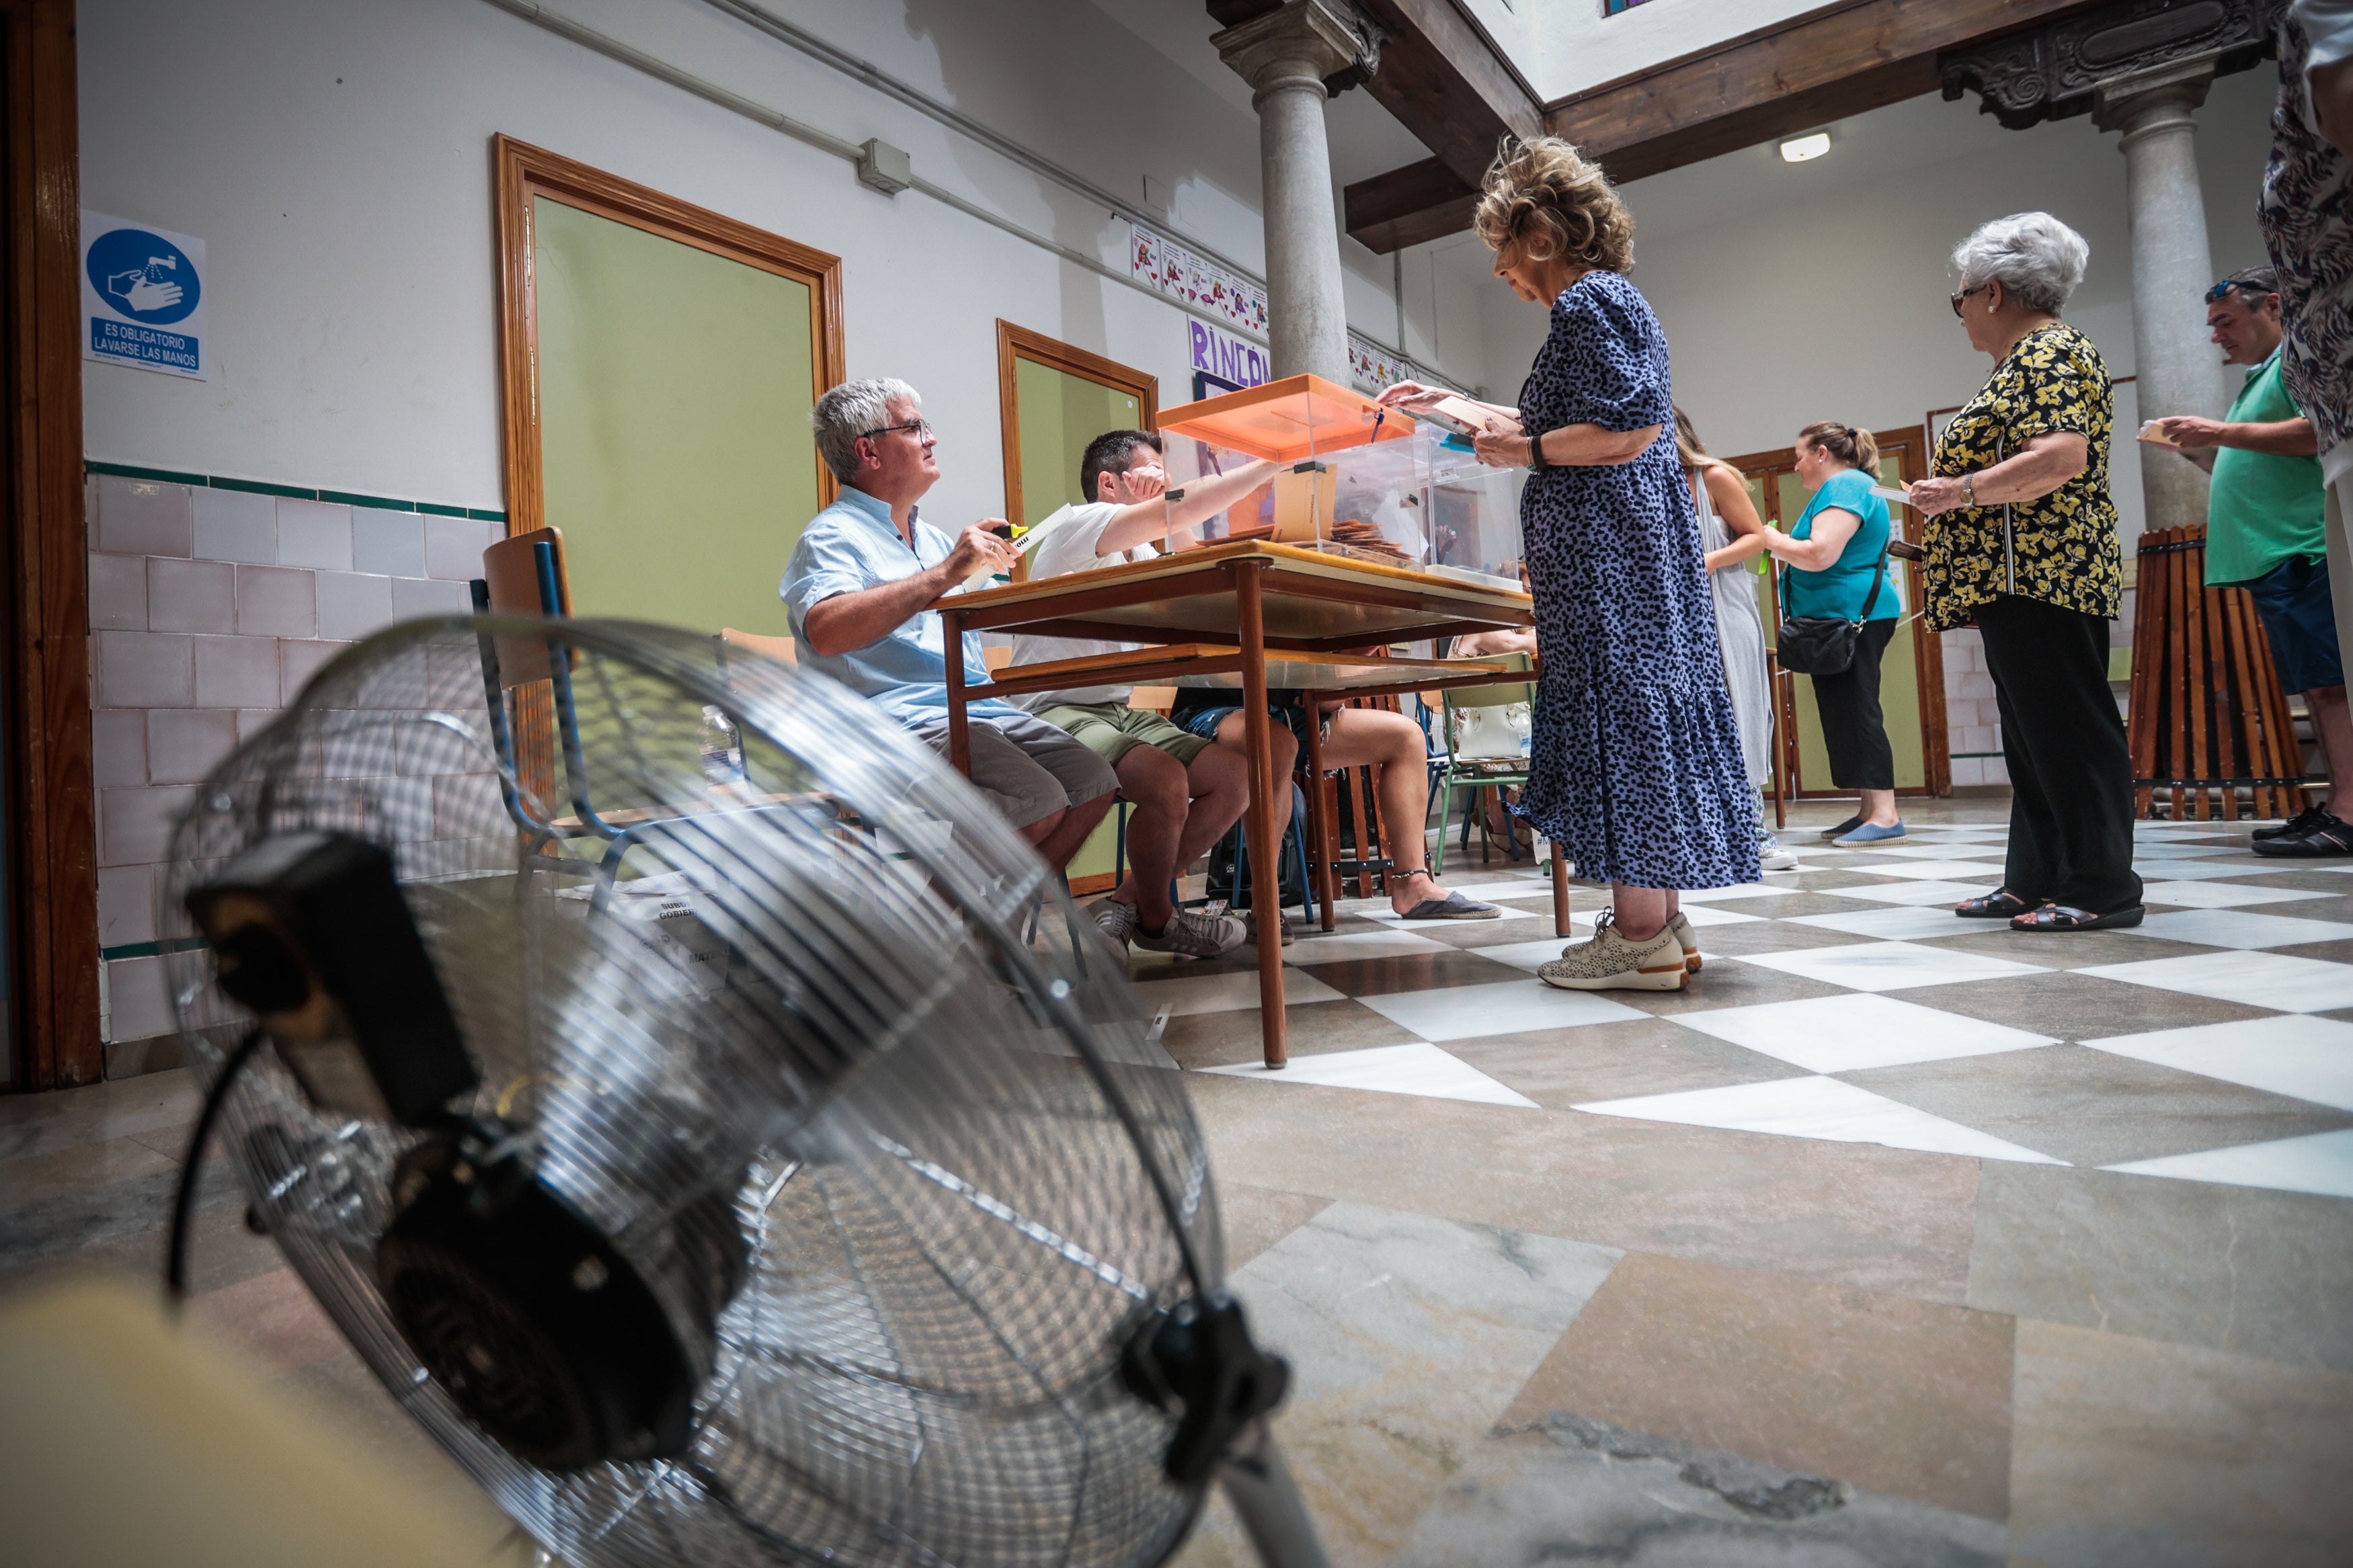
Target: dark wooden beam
column 1444, row 82
column 1789, row 76
column 1406, row 206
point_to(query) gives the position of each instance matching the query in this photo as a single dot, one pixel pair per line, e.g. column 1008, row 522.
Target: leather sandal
column 2067, row 917
column 1995, row 906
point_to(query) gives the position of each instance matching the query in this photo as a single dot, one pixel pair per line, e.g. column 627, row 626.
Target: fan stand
column 1267, row 1501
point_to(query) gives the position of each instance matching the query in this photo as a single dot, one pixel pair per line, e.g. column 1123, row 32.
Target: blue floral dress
column 1635, row 767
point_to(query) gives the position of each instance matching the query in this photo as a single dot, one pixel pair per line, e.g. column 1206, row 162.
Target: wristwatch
column 1536, row 464
column 1968, row 490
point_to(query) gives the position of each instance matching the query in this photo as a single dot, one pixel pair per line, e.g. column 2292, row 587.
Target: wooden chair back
column 518, row 586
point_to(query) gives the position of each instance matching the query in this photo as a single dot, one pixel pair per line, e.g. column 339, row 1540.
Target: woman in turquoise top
column 1834, row 557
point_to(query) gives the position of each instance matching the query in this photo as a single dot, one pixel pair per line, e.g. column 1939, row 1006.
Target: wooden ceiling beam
column 1789, row 76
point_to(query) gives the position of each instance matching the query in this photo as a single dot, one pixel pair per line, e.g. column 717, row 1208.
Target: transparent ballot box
column 1338, row 475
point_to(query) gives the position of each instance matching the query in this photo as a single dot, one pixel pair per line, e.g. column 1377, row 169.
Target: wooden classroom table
column 1271, row 615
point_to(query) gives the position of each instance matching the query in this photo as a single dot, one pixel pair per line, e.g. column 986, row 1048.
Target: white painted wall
column 334, row 156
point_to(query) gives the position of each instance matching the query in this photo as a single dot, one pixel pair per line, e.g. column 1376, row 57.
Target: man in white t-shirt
column 1187, row 791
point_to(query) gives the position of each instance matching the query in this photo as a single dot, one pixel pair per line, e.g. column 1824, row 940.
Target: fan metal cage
column 796, row 1039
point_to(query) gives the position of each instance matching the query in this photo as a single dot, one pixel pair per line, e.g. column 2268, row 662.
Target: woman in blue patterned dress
column 1635, row 765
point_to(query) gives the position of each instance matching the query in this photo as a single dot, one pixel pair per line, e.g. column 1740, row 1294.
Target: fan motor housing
column 545, row 1335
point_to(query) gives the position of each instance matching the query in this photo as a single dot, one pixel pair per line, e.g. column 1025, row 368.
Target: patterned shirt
column 2307, row 220
column 2061, row 549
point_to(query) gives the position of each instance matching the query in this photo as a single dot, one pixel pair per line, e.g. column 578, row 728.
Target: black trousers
column 2069, row 769
column 1854, row 732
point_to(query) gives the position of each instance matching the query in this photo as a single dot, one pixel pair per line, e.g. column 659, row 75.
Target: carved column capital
column 2146, row 99
column 1297, row 46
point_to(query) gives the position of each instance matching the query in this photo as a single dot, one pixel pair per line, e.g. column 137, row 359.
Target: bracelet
column 1536, row 464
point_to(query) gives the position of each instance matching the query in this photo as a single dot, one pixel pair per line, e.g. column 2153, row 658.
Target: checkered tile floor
column 1844, row 1001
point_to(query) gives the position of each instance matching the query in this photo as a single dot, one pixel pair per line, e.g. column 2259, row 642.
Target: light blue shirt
column 850, row 546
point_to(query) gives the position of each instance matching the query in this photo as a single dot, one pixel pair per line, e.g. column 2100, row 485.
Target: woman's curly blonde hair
column 1542, row 200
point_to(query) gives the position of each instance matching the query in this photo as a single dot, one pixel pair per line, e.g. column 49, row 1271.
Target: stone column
column 1285, row 55
column 2177, row 370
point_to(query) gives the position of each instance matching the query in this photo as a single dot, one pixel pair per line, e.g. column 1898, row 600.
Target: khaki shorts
column 1030, row 769
column 1109, row 729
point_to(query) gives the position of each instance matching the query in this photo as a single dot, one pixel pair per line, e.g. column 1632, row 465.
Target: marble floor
column 1892, row 1240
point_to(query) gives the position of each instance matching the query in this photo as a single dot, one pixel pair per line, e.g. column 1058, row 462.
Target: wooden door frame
column 1020, row 342
column 1910, row 445
column 523, row 172
column 52, row 813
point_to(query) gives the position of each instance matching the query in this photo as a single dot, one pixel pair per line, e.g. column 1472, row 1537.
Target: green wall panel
column 674, row 390
column 1059, row 413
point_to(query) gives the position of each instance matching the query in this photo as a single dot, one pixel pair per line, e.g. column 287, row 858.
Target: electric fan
column 656, row 1065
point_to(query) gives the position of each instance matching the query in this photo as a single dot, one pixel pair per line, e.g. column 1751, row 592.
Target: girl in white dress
column 1734, row 535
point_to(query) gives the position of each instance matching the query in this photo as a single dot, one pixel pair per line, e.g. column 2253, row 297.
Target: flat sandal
column 1996, row 906
column 2067, row 917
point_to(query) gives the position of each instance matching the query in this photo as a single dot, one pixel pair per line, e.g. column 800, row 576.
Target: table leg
column 1265, row 833
column 1559, row 893
column 1320, row 828
column 959, row 728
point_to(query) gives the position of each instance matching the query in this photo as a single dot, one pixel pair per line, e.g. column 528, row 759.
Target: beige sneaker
column 1612, row 962
column 1194, row 934
column 1688, row 938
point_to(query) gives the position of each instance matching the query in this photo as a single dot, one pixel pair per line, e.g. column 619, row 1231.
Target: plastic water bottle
column 723, row 749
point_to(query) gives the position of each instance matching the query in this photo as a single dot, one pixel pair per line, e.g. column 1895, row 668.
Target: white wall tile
column 1968, row 771
column 299, row 660
column 118, row 746
column 140, row 994
column 141, row 517
column 183, row 744
column 276, row 602
column 252, row 722
column 142, row 669
column 135, row 825
column 389, row 543
column 191, row 595
column 422, row 596
column 126, row 905
column 453, row 547
column 353, row 604
column 236, row 672
column 118, row 593
column 314, row 533
column 235, row 525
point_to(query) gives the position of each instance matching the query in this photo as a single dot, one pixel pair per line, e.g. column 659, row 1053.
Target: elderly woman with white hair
column 2023, row 542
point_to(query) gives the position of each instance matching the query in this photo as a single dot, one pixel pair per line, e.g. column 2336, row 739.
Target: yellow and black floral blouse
column 2061, row 549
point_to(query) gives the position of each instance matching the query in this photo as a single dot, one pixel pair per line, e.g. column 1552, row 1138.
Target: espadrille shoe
column 1611, row 963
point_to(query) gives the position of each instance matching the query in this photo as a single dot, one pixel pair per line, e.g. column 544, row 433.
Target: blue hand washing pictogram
column 144, row 276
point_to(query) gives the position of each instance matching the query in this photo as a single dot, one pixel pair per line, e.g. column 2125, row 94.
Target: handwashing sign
column 143, row 296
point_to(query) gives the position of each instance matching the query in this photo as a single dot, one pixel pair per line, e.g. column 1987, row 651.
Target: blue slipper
column 1867, row 834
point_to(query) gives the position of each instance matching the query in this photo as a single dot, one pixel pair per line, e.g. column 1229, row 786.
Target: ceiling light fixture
column 1802, row 149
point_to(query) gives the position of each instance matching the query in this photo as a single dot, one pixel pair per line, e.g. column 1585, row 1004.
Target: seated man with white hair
column 858, row 591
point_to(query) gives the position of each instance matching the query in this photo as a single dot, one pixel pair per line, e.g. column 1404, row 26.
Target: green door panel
column 1059, row 413
column 674, row 394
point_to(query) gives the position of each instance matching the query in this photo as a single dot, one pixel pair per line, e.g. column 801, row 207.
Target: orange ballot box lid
column 1298, row 416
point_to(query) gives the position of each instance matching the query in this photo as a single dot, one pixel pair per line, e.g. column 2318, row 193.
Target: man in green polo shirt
column 2263, row 532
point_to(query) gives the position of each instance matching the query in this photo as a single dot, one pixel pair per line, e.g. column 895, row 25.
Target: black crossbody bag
column 1824, row 645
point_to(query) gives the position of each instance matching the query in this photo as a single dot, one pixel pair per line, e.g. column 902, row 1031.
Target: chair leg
column 1445, row 809
column 1299, row 851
